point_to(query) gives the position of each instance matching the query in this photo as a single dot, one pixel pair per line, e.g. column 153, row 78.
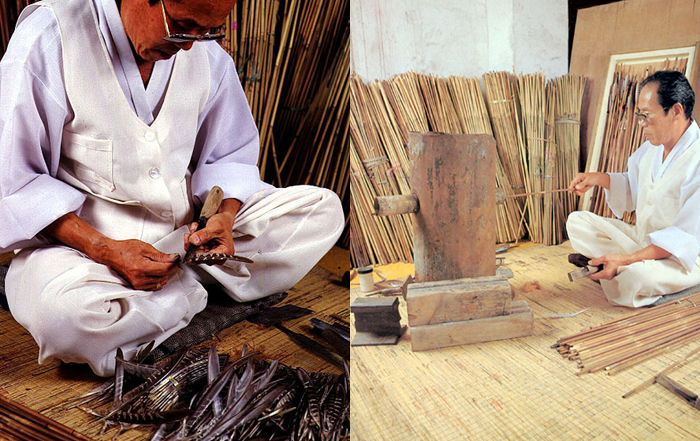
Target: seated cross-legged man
column 659, row 254
column 117, row 117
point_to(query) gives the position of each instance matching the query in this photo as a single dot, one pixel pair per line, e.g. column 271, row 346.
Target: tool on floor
column 395, row 290
column 458, row 297
column 377, row 321
column 585, row 269
column 670, row 384
column 210, row 208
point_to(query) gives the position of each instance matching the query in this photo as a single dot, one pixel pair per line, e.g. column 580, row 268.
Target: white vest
column 658, row 202
column 135, row 176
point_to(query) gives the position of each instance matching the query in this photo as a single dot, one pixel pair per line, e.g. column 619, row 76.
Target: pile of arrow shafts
column 202, row 395
column 623, row 343
column 623, row 135
column 21, row 423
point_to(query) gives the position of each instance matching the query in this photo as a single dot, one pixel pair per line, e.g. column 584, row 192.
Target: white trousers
column 80, row 311
column 638, row 284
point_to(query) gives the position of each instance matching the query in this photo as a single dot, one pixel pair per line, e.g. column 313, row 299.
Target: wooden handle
column 212, row 202
column 401, row 204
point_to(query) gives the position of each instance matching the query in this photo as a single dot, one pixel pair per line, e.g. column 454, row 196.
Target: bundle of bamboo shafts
column 293, row 58
column 567, row 100
column 293, row 62
column 623, row 135
column 531, row 92
column 377, row 161
column 18, row 422
column 503, row 108
column 623, row 343
column 456, row 105
column 554, row 221
column 325, row 124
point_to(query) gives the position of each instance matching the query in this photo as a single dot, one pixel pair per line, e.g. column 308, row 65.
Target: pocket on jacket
column 88, row 159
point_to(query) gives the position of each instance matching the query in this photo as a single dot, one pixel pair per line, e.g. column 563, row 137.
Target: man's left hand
column 610, row 262
column 216, row 237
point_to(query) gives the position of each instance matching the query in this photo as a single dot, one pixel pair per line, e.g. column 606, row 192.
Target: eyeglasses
column 213, row 34
column 645, row 117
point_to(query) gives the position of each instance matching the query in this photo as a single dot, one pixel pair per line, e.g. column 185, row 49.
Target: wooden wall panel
column 623, row 27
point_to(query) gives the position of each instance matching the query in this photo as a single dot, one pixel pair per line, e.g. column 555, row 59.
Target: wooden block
column 454, row 231
column 430, row 303
column 517, row 324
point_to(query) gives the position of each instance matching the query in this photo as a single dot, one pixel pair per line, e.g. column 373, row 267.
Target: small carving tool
column 584, row 268
column 210, row 208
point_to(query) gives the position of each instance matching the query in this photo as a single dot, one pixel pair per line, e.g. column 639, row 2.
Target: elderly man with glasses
column 116, row 119
column 659, row 254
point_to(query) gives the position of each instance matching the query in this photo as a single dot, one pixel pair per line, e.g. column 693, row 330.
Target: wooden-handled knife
column 209, row 209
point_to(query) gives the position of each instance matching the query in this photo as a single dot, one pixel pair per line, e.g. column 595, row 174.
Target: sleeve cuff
column 24, row 213
column 238, row 181
column 619, row 197
column 684, row 247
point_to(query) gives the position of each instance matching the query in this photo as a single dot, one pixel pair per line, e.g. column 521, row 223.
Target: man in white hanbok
column 658, row 255
column 116, row 119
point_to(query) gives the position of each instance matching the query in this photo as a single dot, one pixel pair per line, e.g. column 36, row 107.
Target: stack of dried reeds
column 378, row 167
column 531, row 93
column 623, row 343
column 567, row 96
column 293, row 62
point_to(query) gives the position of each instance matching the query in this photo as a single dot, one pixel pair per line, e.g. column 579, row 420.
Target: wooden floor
column 44, row 388
column 521, row 388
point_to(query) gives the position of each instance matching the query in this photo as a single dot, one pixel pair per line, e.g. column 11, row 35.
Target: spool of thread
column 366, row 278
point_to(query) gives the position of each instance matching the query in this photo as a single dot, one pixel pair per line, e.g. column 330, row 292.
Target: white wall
column 453, row 37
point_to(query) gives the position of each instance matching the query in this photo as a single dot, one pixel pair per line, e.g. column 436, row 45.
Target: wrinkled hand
column 610, row 262
column 143, row 266
column 585, row 181
column 216, row 237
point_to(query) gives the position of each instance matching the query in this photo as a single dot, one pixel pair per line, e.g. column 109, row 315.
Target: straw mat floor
column 520, row 388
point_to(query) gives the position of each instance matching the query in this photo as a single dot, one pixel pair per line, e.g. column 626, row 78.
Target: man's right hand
column 143, row 266
column 585, row 181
